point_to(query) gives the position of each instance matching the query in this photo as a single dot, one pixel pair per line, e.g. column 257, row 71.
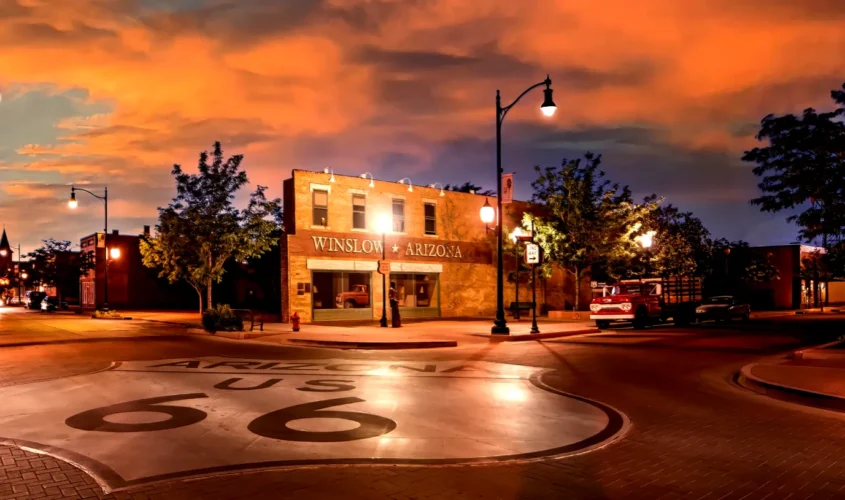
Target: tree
column 682, row 244
column 803, row 167
column 468, row 187
column 56, row 265
column 588, row 220
column 202, row 229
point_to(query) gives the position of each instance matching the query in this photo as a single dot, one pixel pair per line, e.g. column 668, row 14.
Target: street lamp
column 383, row 225
column 327, row 170
column 364, row 176
column 500, row 325
column 72, row 203
column 487, row 214
column 114, row 252
column 646, row 241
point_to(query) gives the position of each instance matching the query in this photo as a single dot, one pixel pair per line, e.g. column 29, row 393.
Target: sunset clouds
column 116, row 91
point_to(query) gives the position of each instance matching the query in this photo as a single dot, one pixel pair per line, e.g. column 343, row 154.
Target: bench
column 520, row 306
column 252, row 316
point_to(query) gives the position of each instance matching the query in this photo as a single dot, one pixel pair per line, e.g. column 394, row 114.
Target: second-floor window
column 430, row 212
column 359, row 211
column 398, row 215
column 320, row 203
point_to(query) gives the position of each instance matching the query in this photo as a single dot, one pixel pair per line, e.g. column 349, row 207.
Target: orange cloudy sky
column 114, row 92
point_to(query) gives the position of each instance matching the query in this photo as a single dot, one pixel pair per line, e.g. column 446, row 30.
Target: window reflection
column 341, row 290
column 416, row 290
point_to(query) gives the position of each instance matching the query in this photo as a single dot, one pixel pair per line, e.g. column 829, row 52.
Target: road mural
column 145, row 421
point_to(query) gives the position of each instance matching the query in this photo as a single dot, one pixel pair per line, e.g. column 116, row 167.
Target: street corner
column 148, row 421
column 813, row 376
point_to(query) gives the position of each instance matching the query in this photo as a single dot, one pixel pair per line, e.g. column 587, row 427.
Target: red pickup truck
column 359, row 296
column 647, row 301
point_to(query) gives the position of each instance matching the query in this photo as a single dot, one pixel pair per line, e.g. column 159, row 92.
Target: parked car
column 722, row 308
column 359, row 296
column 50, row 304
column 32, row 300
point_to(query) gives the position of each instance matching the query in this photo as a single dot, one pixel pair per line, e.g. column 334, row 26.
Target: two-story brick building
column 441, row 254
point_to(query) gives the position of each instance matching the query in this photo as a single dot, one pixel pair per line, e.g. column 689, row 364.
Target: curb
column 539, row 336
column 341, row 344
column 95, row 339
column 788, row 393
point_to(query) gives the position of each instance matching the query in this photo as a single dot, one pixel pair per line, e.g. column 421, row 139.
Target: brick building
column 441, row 255
column 131, row 284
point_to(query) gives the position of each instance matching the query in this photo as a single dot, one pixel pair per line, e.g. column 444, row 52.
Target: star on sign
column 395, row 248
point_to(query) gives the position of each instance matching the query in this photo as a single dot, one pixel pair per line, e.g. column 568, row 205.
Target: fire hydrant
column 294, row 320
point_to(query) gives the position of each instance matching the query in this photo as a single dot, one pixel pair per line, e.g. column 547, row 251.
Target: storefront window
column 416, row 290
column 341, row 290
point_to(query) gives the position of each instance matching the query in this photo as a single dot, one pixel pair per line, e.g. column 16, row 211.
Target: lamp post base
column 383, row 322
column 500, row 329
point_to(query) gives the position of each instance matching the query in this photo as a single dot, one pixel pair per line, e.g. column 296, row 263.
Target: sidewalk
column 412, row 335
column 813, row 376
column 20, row 328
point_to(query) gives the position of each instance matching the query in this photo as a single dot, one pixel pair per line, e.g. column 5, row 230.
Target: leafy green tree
column 588, row 220
column 469, row 187
column 202, row 229
column 803, row 168
column 55, row 264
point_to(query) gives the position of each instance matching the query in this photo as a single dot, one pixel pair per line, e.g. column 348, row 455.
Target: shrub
column 100, row 314
column 221, row 318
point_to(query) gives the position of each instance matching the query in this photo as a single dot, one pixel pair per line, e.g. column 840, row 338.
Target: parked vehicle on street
column 32, row 300
column 648, row 301
column 359, row 296
column 722, row 308
column 50, row 304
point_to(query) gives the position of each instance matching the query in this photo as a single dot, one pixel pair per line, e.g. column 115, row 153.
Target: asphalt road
column 693, row 433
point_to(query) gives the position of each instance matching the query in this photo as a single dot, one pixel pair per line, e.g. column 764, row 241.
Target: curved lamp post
column 434, row 186
column 500, row 325
column 410, row 186
column 365, row 175
column 72, row 203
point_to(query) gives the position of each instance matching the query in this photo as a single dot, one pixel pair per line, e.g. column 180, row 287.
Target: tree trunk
column 199, row 294
column 577, row 288
column 208, row 294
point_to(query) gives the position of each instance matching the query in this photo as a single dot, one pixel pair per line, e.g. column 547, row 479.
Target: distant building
column 131, row 285
column 794, row 289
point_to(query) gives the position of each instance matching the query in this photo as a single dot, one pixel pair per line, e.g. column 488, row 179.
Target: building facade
column 441, row 256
